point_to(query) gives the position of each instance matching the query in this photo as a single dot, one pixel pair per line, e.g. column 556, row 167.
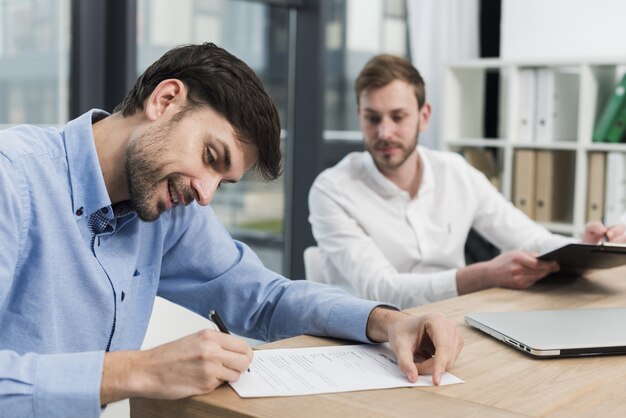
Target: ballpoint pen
column 213, row 316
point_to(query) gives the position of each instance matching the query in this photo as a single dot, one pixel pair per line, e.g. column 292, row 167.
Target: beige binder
column 595, row 186
column 483, row 160
column 524, row 181
column 555, row 186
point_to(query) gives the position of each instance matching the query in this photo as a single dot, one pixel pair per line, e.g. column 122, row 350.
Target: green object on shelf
column 619, row 127
column 612, row 122
column 611, row 125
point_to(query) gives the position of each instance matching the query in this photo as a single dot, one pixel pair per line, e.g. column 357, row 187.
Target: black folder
column 578, row 258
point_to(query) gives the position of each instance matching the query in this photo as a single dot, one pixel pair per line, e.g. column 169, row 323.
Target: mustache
column 385, row 143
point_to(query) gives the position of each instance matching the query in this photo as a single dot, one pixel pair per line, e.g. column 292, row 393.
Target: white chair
column 312, row 265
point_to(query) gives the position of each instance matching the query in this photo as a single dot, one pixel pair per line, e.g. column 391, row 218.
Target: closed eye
column 373, row 119
column 209, row 158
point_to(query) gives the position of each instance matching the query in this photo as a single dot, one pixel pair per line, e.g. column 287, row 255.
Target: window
column 356, row 30
column 252, row 210
column 34, row 61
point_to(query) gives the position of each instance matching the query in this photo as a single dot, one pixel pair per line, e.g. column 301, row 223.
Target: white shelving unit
column 464, row 107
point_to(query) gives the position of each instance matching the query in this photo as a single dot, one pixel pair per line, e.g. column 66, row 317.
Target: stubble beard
column 387, row 162
column 144, row 173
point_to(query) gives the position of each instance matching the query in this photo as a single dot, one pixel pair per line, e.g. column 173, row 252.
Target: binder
column 595, row 186
column 618, row 129
column 555, row 186
column 524, row 181
column 483, row 160
column 528, row 99
column 612, row 122
column 557, row 105
column 615, row 195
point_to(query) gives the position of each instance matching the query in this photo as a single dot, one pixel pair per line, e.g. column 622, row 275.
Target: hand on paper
column 427, row 344
column 192, row 365
column 596, row 231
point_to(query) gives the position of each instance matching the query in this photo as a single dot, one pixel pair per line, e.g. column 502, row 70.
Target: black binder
column 578, row 258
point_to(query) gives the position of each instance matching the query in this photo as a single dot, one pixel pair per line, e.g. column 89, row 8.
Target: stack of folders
column 485, row 161
column 606, row 189
column 611, row 125
column 548, row 105
column 544, row 184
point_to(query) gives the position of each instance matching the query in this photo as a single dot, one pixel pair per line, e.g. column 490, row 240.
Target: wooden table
column 500, row 381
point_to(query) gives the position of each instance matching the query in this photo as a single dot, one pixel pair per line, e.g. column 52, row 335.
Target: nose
column 205, row 188
column 385, row 127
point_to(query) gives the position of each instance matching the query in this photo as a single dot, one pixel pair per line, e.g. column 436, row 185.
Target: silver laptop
column 557, row 333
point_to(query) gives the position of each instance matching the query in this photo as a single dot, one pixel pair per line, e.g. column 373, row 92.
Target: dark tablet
column 577, row 258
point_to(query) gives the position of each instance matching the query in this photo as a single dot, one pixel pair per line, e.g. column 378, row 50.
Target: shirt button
column 79, row 211
column 104, row 210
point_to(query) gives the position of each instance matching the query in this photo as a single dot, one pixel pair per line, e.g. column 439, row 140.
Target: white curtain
column 440, row 32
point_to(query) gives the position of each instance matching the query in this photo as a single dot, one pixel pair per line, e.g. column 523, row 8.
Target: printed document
column 308, row 371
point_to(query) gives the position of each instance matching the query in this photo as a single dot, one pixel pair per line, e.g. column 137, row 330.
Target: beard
column 386, row 161
column 145, row 175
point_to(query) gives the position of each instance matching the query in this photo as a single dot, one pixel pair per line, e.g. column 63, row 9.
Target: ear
column 167, row 97
column 425, row 113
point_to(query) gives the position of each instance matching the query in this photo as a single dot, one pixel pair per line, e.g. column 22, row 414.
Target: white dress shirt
column 378, row 243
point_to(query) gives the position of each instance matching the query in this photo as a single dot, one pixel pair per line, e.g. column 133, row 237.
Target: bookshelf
column 583, row 86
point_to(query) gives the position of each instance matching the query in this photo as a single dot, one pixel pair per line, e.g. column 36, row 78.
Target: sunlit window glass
column 252, row 210
column 34, row 61
column 356, row 30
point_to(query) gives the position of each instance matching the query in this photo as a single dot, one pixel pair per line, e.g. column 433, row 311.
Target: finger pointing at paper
column 427, row 344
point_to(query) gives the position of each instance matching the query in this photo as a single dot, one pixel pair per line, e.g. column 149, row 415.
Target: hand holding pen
column 596, row 232
column 215, row 318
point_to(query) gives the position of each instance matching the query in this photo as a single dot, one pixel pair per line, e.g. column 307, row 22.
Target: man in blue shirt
column 101, row 216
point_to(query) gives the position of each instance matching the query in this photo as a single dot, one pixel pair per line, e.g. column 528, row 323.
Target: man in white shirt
column 391, row 222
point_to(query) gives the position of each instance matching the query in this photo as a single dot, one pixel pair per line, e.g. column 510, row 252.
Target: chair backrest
column 312, row 265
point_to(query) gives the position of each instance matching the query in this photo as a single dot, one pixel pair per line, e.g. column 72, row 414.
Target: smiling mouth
column 173, row 193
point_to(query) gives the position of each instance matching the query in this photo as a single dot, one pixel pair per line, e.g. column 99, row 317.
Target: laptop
column 557, row 333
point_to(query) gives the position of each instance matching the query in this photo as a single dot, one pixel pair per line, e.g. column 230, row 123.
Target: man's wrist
column 377, row 322
column 120, row 376
column 473, row 278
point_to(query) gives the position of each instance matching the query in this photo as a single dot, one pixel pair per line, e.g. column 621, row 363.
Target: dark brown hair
column 383, row 69
column 216, row 78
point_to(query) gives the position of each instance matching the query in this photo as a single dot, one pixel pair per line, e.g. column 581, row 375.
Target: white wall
column 539, row 29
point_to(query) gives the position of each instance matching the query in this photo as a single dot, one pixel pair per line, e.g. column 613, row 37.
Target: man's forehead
column 395, row 95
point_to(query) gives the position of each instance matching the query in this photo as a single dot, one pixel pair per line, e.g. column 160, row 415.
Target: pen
column 213, row 316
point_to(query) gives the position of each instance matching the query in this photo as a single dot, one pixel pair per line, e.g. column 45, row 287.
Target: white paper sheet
column 307, row 371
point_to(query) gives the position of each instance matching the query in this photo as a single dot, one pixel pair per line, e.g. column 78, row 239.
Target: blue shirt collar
column 89, row 191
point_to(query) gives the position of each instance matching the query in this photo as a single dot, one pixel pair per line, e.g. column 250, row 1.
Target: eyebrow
column 370, row 110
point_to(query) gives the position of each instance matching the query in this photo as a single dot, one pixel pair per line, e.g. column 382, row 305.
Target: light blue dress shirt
column 64, row 301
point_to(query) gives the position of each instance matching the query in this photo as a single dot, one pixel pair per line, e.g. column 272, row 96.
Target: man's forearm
column 472, row 278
